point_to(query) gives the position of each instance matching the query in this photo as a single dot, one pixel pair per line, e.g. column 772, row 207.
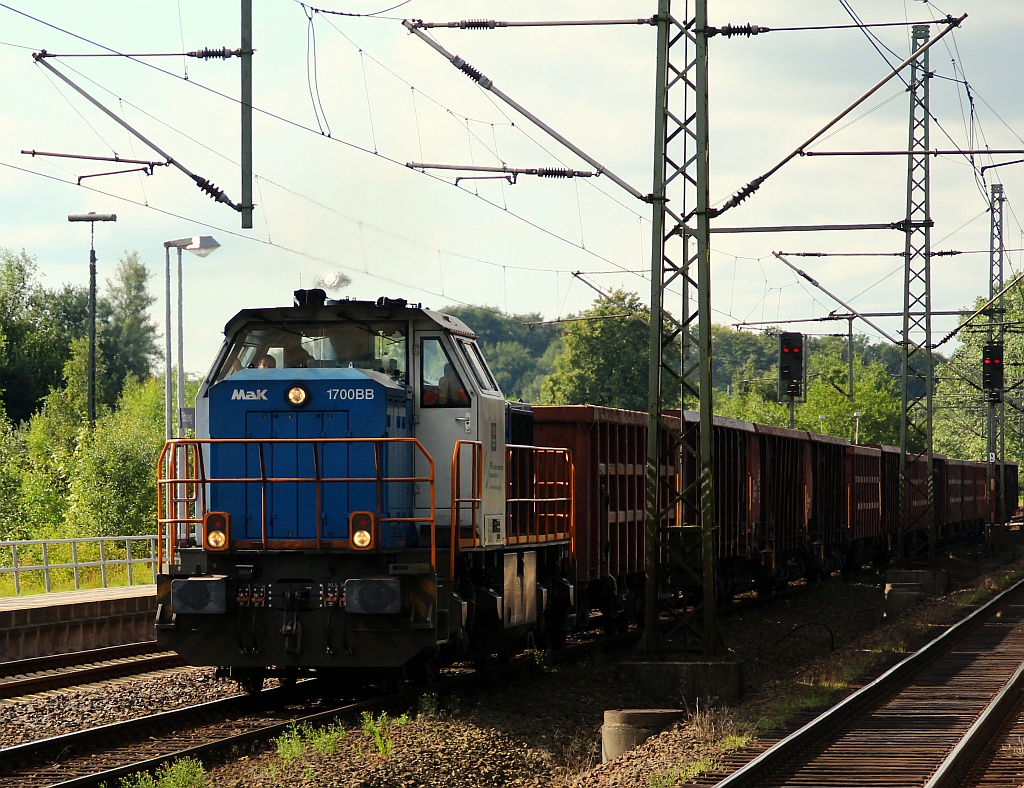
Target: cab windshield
column 376, row 346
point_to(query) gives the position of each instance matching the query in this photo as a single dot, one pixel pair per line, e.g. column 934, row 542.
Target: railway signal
column 791, row 364
column 992, row 371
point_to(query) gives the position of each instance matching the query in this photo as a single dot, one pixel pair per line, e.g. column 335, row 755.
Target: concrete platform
column 39, row 625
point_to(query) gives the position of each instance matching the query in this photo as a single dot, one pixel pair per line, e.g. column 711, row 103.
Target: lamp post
column 201, row 246
column 821, row 418
column 92, row 217
column 856, row 429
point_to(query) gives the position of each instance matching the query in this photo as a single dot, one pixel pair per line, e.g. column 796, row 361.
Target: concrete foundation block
column 624, row 729
column 685, row 684
column 931, row 581
column 901, row 596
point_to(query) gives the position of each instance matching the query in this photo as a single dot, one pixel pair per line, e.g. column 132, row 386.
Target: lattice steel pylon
column 917, row 495
column 680, row 513
column 996, row 409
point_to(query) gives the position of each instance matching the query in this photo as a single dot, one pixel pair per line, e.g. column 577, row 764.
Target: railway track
column 928, row 721
column 219, row 728
column 109, row 752
column 41, row 674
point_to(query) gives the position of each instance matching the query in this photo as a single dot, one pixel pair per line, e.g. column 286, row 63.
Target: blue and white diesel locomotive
column 359, row 502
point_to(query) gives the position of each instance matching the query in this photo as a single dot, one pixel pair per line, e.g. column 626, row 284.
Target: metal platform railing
column 63, row 564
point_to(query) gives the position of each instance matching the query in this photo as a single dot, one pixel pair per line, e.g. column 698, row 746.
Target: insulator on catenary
column 477, row 24
column 212, row 189
column 555, row 172
column 741, row 30
column 739, row 196
column 472, row 73
column 224, row 53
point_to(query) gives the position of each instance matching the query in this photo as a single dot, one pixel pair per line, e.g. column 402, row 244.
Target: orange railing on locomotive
column 182, row 499
column 551, row 480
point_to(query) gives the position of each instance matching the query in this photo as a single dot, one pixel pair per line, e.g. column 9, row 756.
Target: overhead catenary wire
column 501, row 207
column 303, row 127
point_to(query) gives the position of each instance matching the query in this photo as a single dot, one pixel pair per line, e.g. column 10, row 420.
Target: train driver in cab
column 450, row 390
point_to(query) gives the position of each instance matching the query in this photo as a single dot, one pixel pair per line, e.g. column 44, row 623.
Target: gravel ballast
column 544, row 727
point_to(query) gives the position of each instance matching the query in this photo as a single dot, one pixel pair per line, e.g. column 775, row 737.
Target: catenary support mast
column 680, row 518
column 994, row 477
column 917, row 495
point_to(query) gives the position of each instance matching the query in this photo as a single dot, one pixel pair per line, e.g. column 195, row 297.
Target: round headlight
column 361, row 539
column 216, row 539
column 297, row 395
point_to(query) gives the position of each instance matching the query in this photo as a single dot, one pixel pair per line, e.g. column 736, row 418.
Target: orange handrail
column 177, row 513
column 544, row 489
column 475, row 496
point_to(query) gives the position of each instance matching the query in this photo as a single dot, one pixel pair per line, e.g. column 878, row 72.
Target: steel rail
column 20, row 667
column 757, row 771
column 43, row 677
column 963, row 757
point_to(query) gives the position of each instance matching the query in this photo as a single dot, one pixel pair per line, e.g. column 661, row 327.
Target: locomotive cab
column 346, row 505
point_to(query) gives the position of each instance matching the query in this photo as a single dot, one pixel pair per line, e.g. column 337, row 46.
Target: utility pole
column 994, row 477
column 918, row 378
column 683, row 546
column 92, row 217
column 245, row 48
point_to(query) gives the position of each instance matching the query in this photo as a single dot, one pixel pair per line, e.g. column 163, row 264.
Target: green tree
column 740, row 356
column 13, row 523
column 604, row 357
column 127, row 336
column 51, row 439
column 37, row 328
column 827, row 408
column 113, row 490
column 960, row 424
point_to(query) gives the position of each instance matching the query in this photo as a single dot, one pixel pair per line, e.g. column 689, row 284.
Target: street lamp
column 821, row 418
column 201, row 246
column 92, row 217
column 856, row 429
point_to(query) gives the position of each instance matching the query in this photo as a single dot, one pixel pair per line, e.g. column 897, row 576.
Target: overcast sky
column 343, row 103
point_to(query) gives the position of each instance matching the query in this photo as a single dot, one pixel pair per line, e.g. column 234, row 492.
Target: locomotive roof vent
column 384, row 301
column 314, row 297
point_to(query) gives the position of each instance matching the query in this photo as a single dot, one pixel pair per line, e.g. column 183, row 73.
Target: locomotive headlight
column 297, row 395
column 216, row 540
column 216, row 530
column 361, row 528
column 361, row 539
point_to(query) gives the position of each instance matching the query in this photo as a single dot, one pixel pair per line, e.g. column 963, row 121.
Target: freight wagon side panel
column 948, row 494
column 917, row 471
column 827, row 514
column 864, row 493
column 890, row 491
column 783, row 522
column 609, row 449
column 736, row 483
column 732, row 489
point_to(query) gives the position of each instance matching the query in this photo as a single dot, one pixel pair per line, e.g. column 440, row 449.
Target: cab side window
column 440, row 383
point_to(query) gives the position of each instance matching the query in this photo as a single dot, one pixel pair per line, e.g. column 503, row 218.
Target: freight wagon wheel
column 393, row 680
column 423, row 670
column 251, row 680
